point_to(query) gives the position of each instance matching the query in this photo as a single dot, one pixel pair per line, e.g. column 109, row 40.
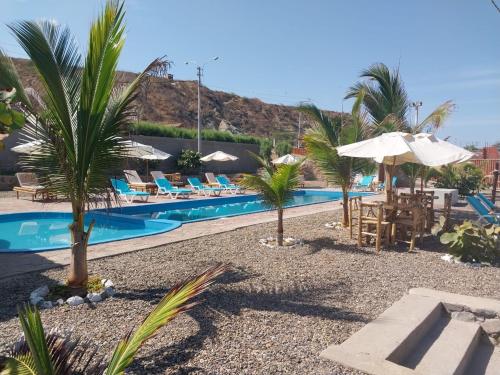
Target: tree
column 326, row 135
column 283, row 148
column 44, row 353
column 275, row 187
column 266, row 149
column 81, row 118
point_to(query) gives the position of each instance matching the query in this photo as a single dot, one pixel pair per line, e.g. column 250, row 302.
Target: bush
column 266, row 149
column 471, row 242
column 283, row 148
column 158, row 130
column 464, row 177
column 189, row 161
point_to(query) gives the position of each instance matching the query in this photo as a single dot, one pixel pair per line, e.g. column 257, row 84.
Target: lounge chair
column 228, row 186
column 136, row 183
column 482, row 211
column 125, row 192
column 489, row 204
column 381, row 185
column 211, row 180
column 365, row 183
column 202, row 189
column 29, row 184
column 165, row 187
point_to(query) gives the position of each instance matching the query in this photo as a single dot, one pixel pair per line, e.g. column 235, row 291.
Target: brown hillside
column 174, row 102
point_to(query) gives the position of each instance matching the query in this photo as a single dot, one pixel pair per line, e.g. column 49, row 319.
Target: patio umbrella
column 397, row 148
column 219, row 156
column 145, row 152
column 28, row 148
column 286, row 159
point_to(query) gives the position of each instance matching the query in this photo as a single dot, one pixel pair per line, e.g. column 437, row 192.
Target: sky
column 288, row 51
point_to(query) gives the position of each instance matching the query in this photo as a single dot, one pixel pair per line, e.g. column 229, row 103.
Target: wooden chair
column 371, row 224
column 409, row 220
column 353, row 212
column 29, row 184
column 447, row 211
column 428, row 200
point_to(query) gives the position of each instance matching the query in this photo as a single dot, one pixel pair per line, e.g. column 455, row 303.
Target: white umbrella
column 286, row 159
column 142, row 151
column 28, row 148
column 219, row 156
column 397, row 148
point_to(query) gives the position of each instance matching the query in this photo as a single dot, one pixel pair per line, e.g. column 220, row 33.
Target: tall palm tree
column 326, row 135
column 83, row 113
column 44, row 353
column 275, row 186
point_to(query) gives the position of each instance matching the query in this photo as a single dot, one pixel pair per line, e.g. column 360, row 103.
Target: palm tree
column 82, row 115
column 44, row 353
column 326, row 135
column 275, row 187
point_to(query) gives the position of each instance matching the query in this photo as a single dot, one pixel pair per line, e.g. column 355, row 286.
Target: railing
column 487, row 166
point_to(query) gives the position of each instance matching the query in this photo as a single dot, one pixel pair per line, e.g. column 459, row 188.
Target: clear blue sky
column 287, row 51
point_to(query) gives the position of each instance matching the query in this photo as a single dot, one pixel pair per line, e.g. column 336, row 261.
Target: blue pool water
column 40, row 231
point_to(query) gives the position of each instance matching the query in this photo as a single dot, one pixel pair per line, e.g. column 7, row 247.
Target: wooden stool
column 371, row 217
column 410, row 217
column 353, row 211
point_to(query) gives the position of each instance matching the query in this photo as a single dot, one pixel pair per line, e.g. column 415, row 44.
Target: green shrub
column 471, row 242
column 283, row 148
column 189, row 161
column 266, row 149
column 464, row 177
column 158, row 130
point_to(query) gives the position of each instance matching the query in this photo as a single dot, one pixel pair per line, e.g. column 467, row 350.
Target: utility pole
column 416, row 105
column 199, row 73
column 300, row 125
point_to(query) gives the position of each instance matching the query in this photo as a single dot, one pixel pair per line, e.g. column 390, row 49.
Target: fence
column 487, row 166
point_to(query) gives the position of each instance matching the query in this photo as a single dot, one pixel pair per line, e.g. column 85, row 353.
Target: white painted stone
column 36, row 299
column 491, row 327
column 488, row 314
column 451, row 307
column 42, row 291
column 75, row 301
column 464, row 316
column 60, row 302
column 110, row 292
column 94, row 297
column 447, row 258
column 108, row 284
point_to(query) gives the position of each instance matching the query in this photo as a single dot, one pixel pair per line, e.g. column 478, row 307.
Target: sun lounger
column 202, row 189
column 125, row 192
column 165, row 187
column 29, row 184
column 365, row 183
column 482, row 211
column 491, row 206
column 381, row 185
column 136, row 183
column 228, row 186
column 211, row 180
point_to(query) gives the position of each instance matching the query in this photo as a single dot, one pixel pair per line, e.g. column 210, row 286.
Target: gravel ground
column 272, row 315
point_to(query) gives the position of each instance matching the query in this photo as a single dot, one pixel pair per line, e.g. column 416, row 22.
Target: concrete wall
column 174, row 146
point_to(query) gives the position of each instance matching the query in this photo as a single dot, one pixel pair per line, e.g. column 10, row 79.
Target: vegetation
column 44, row 353
column 266, row 149
column 158, row 130
column 189, row 161
column 283, row 148
column 326, row 135
column 82, row 115
column 275, row 187
column 471, row 242
column 467, row 178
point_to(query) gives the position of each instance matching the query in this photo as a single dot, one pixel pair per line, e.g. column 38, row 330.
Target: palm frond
column 9, row 78
column 325, row 125
column 437, row 118
column 174, row 303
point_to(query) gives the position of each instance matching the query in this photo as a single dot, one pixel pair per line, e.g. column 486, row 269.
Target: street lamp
column 416, row 105
column 199, row 73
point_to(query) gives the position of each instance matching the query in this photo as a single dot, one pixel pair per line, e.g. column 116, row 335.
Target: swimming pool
column 207, row 209
column 42, row 231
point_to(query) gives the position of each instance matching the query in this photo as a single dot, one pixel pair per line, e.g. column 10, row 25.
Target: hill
column 174, row 102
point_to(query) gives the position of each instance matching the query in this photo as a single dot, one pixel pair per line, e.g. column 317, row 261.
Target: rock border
column 453, row 259
column 37, row 297
column 271, row 242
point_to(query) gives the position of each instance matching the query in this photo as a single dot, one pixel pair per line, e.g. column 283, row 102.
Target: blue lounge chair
column 365, row 183
column 228, row 186
column 125, row 192
column 202, row 189
column 482, row 211
column 381, row 185
column 165, row 187
column 491, row 206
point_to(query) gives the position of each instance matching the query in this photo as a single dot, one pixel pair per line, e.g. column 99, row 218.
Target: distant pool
column 206, row 209
column 41, row 231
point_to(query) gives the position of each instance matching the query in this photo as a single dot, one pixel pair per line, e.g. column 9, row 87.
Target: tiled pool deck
column 12, row 264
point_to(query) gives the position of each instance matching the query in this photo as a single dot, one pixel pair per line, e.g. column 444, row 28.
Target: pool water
column 38, row 231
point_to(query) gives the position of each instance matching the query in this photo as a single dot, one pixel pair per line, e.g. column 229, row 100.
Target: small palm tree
column 42, row 353
column 326, row 135
column 275, row 187
column 81, row 117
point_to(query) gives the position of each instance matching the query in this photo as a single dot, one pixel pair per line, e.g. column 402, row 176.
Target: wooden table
column 149, row 187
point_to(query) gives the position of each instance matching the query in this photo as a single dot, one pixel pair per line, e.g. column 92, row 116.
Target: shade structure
column 397, row 148
column 219, row 156
column 145, row 152
column 286, row 159
column 28, row 148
